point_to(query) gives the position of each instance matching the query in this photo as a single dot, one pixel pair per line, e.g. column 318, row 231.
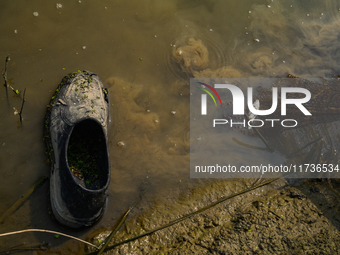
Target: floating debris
column 62, row 101
column 36, row 14
column 16, row 112
column 121, row 144
column 59, row 6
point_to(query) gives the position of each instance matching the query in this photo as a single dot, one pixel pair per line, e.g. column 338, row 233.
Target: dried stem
column 47, row 231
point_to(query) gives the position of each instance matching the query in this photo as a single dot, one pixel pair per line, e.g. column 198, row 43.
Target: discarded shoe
column 75, row 134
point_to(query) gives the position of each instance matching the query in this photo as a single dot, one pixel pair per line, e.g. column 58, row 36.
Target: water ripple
column 217, row 54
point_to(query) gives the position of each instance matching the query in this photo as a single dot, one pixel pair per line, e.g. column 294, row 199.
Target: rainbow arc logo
column 204, row 97
column 208, row 92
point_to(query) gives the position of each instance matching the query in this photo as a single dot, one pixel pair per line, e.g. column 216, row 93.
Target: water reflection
column 128, row 44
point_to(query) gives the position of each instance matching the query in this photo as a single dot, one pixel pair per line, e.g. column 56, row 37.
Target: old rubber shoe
column 75, row 134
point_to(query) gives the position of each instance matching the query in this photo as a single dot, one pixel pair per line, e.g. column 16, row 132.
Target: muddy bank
column 276, row 219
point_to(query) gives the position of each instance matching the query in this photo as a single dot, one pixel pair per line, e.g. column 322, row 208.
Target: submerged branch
column 303, row 147
column 22, row 199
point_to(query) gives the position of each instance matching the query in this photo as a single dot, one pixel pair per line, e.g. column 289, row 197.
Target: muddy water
column 144, row 53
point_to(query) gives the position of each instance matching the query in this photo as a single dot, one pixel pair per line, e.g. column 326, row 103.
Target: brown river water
column 144, row 51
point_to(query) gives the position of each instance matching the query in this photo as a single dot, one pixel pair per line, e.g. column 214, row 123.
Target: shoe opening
column 87, row 155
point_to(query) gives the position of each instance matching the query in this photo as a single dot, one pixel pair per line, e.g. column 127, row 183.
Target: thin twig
column 48, row 231
column 256, row 181
column 22, row 199
column 22, row 106
column 188, row 215
column 4, row 74
column 17, row 92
